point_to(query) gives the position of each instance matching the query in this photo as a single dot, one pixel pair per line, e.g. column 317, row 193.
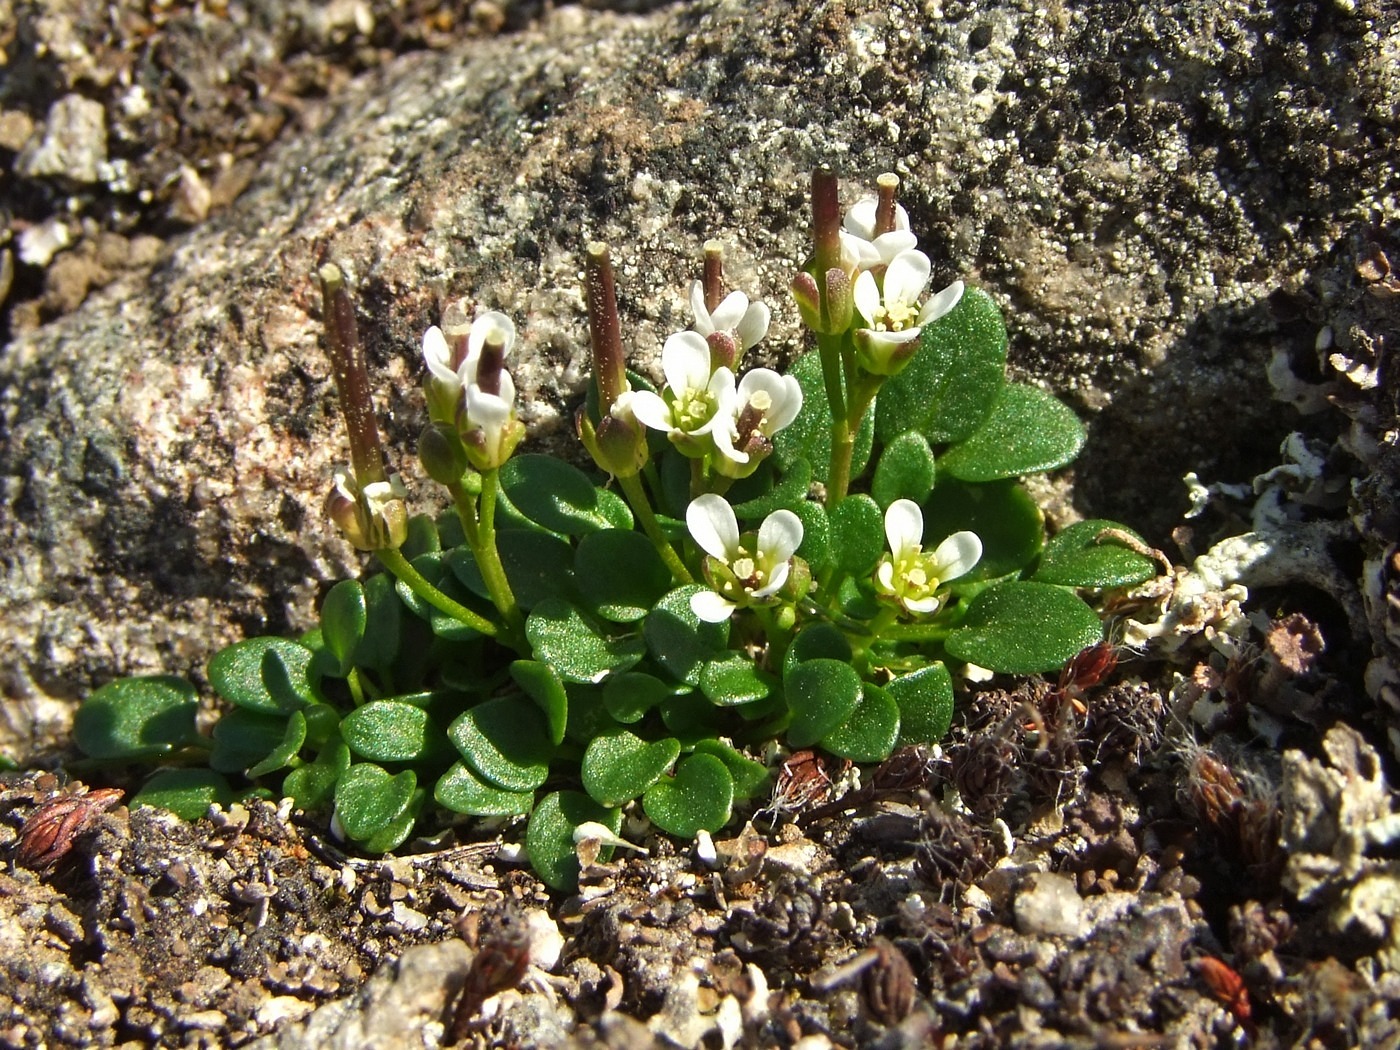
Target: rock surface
column 1135, row 190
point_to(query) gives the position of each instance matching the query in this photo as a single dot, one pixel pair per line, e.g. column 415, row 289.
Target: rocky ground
column 1192, row 216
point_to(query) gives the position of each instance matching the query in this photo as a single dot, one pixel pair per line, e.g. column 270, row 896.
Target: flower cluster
column 469, row 389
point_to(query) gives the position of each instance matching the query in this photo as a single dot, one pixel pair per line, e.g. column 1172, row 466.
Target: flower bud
column 441, row 453
column 825, row 307
column 374, row 517
column 618, row 444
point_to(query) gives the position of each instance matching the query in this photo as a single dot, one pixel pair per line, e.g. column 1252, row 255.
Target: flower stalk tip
column 351, row 379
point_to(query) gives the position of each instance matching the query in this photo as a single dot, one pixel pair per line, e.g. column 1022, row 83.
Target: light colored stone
column 1048, row 905
column 72, row 144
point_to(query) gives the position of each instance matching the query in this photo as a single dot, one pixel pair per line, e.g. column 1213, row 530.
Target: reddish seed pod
column 47, row 835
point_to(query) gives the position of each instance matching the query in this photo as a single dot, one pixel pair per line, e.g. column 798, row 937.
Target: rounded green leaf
column 1076, row 557
column 587, row 715
column 732, row 680
column 423, row 537
column 549, row 838
column 619, row 766
column 136, row 718
column 869, row 734
column 188, row 793
column 619, row 574
column 313, row 784
column 268, row 675
column 629, row 696
column 691, row 717
column 391, row 836
column 679, row 640
column 538, row 565
column 547, row 690
column 1027, row 432
column 822, row 694
column 281, row 756
column 344, row 615
column 699, row 797
column 577, row 650
column 506, row 742
column 379, row 642
column 462, row 791
column 952, row 381
column 787, row 494
column 390, row 731
column 1024, row 628
column 243, row 738
column 1006, row 520
column 815, row 547
column 561, row 498
column 817, row 641
column 925, row 699
column 905, row 470
column 857, row 534
column 809, row 435
column 750, row 777
column 368, row 799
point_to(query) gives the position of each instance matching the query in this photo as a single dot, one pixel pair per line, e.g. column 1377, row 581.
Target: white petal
column 858, row 253
column 722, row 432
column 877, row 340
column 906, row 276
column 884, row 575
column 957, row 555
column 922, row 606
column 754, row 325
column 704, row 324
column 685, row 358
column 785, row 392
column 711, row 521
column 710, row 607
column 727, row 315
column 726, row 401
column 651, row 410
column 941, row 303
column 904, row 526
column 866, row 294
column 891, row 244
column 860, row 220
column 776, row 578
column 487, row 324
column 438, row 356
column 488, row 411
column 779, row 536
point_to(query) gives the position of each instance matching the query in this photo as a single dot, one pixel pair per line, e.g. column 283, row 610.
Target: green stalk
column 393, row 560
column 488, row 557
column 838, row 476
column 637, row 497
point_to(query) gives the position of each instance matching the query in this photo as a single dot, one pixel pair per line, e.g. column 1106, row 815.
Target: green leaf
column 787, row 494
column 243, row 738
column 561, row 498
column 691, row 717
column 506, row 742
column 816, row 534
column 925, row 699
column 629, row 696
column 822, row 694
column 1023, row 628
column 750, row 777
column 816, row 641
column 313, row 784
column 1005, row 518
column 618, row 766
column 322, row 722
column 269, row 675
column 809, row 435
column 391, row 731
column 620, row 575
column 549, row 838
column 538, row 565
column 1076, row 558
column 732, row 679
column 136, row 718
column 679, row 640
column 344, row 616
column 462, row 791
column 869, row 734
column 587, row 715
column 391, row 836
column 281, row 756
column 699, row 797
column 379, row 642
column 857, row 534
column 188, row 793
column 951, row 383
column 1028, row 432
column 368, row 799
column 577, row 650
column 905, row 470
column 547, row 690
column 422, row 537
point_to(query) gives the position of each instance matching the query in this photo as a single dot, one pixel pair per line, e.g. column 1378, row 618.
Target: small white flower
column 910, row 577
column 737, row 323
column 740, row 576
column 454, row 369
column 695, row 400
column 893, row 318
column 871, row 250
column 764, row 403
column 488, row 419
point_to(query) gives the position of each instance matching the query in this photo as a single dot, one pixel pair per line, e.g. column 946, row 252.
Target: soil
column 1130, row 862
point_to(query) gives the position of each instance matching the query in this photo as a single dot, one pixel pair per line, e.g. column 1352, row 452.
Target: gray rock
column 1133, row 188
column 72, row 144
column 1048, row 905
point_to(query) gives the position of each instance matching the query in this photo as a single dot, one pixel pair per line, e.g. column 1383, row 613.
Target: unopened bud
column 441, row 453
column 372, row 518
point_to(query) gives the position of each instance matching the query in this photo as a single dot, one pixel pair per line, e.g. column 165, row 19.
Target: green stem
column 488, row 558
column 357, row 691
column 641, row 506
column 393, row 560
column 915, row 632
